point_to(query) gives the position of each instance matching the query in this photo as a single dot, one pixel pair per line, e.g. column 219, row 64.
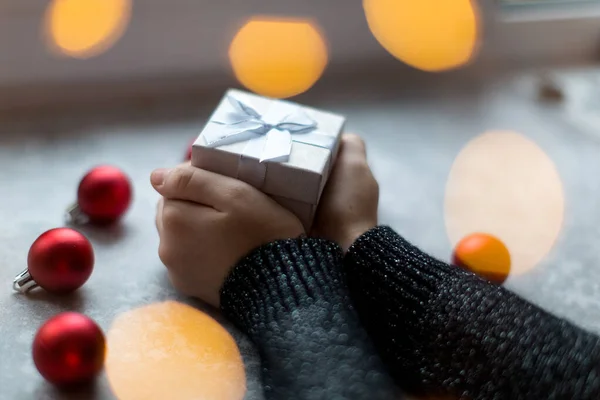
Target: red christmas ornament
column 69, row 349
column 61, row 260
column 103, row 196
column 188, row 154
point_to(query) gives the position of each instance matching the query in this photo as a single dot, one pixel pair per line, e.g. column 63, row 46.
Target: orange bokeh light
column 172, row 351
column 505, row 185
column 85, row 28
column 431, row 35
column 277, row 57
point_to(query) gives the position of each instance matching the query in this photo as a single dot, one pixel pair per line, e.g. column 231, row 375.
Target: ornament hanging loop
column 24, row 282
column 74, row 215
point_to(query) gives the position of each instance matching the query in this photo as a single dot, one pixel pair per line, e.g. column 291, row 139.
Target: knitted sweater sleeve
column 444, row 331
column 290, row 299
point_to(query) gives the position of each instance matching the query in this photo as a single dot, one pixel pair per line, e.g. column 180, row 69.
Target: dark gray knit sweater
column 326, row 325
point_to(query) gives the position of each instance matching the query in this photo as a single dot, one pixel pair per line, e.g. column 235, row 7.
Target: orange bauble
column 485, row 255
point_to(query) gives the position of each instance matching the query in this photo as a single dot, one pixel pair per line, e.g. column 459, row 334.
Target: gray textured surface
column 412, row 141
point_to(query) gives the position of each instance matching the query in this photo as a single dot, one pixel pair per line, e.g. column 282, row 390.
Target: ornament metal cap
column 74, row 215
column 60, row 261
column 24, row 282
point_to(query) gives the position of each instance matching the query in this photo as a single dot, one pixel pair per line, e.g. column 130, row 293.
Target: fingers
column 351, row 158
column 182, row 222
column 183, row 216
column 196, row 185
column 189, row 183
column 159, row 212
column 353, row 146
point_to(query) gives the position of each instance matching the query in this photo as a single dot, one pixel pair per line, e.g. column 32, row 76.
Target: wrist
column 354, row 232
column 279, row 277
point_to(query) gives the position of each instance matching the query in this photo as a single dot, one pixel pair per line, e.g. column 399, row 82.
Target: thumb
column 352, row 148
column 352, row 155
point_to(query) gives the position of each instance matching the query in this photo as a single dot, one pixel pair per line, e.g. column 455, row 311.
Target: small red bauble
column 69, row 349
column 61, row 260
column 188, row 154
column 103, row 196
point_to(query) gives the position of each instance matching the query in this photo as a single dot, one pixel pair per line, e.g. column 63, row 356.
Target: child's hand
column 348, row 207
column 208, row 222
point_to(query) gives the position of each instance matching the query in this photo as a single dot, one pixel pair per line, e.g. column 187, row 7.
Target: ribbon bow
column 267, row 141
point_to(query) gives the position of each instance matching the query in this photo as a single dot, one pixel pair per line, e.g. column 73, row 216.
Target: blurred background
column 479, row 117
column 68, row 50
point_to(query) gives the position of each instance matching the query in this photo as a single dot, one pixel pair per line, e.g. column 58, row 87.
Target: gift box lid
column 300, row 176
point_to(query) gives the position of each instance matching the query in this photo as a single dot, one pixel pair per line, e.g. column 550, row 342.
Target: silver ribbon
column 269, row 136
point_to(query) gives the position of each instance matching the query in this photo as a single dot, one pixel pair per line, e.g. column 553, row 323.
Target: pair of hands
column 208, row 222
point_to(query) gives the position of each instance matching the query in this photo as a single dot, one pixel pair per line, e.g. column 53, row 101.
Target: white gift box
column 284, row 149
